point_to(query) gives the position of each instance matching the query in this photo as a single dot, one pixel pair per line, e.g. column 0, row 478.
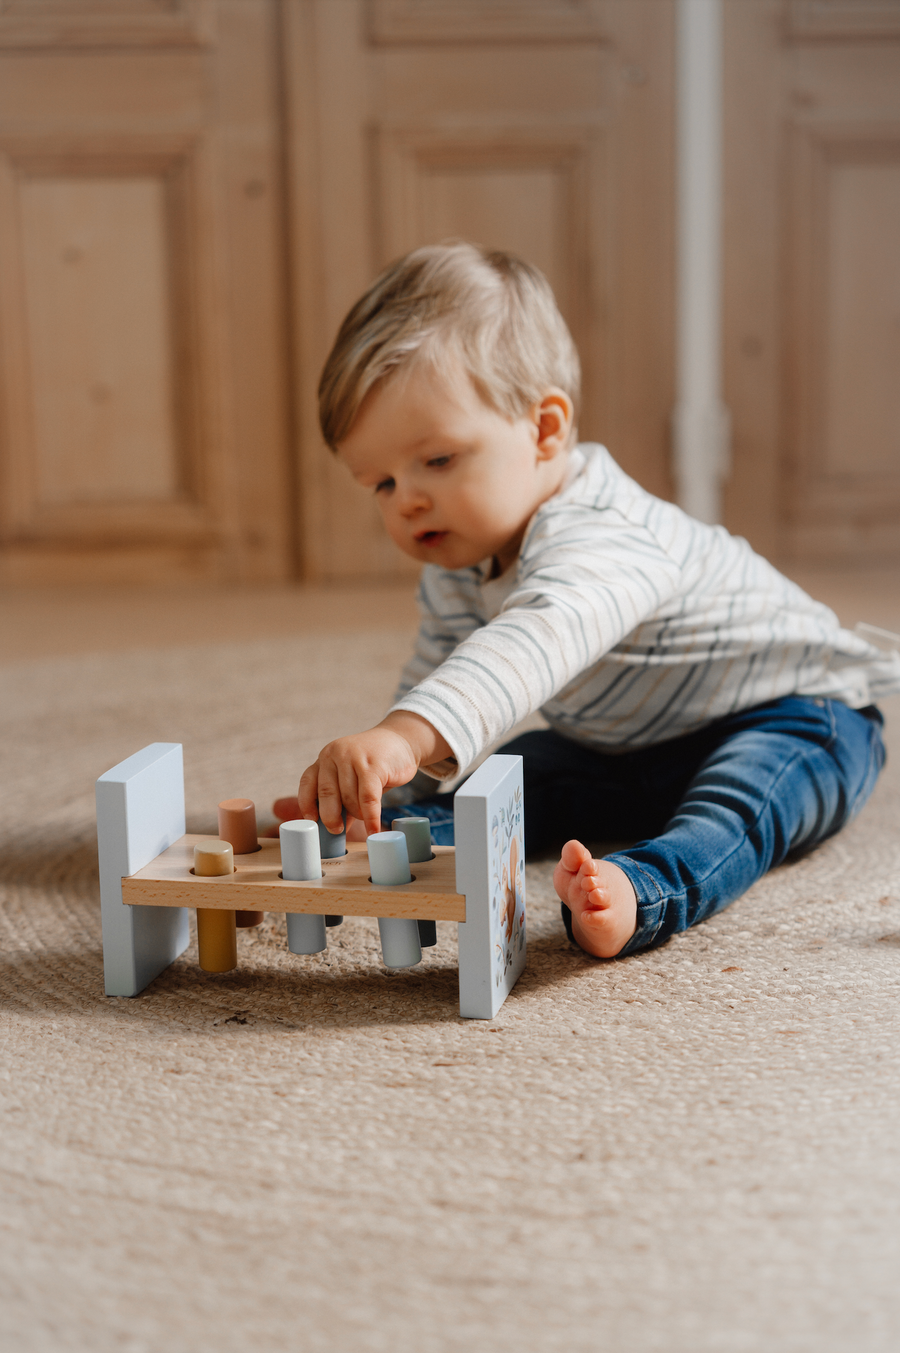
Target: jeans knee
column 874, row 764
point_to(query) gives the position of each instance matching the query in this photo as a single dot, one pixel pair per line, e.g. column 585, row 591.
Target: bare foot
column 600, row 897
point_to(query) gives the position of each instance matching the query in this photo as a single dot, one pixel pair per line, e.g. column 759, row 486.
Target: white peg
column 388, row 858
column 389, row 863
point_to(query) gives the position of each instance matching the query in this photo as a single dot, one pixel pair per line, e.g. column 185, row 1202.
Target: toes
column 593, row 897
column 588, row 873
column 596, row 917
column 574, row 856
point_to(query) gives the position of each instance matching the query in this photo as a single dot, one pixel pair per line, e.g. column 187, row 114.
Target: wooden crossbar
column 344, row 889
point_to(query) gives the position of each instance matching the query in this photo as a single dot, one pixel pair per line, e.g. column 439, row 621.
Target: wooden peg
column 237, row 824
column 216, row 939
column 216, row 934
column 417, row 831
column 301, row 860
column 389, row 863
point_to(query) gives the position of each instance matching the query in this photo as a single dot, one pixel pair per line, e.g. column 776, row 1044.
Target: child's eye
column 437, row 461
column 384, row 484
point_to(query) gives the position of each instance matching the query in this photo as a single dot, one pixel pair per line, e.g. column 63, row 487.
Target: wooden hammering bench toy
column 151, row 872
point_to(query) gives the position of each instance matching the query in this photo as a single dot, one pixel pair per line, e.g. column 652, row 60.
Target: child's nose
column 412, row 499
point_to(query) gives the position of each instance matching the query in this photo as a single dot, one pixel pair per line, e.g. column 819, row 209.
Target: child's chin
column 433, row 554
column 449, row 554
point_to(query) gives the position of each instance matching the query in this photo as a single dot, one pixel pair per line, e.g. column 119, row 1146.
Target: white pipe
column 700, row 419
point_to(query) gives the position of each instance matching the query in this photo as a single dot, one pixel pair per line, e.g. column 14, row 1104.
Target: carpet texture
column 693, row 1149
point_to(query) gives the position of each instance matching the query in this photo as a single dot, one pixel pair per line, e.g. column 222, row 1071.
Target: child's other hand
column 354, row 772
column 286, row 809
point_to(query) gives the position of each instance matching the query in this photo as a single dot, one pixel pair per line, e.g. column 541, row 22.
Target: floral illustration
column 507, row 886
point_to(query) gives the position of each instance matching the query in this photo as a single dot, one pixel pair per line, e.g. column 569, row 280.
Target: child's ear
column 553, row 418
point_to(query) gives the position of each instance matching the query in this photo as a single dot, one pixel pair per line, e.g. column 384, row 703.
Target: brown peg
column 237, row 824
column 216, row 937
column 243, row 919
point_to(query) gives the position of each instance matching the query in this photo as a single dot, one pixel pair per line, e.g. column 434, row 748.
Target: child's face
column 456, row 482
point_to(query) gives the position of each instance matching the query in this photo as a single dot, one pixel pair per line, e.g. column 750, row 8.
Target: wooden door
column 812, row 240
column 142, row 331
column 542, row 126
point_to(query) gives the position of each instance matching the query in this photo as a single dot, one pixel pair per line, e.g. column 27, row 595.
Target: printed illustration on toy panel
column 507, row 887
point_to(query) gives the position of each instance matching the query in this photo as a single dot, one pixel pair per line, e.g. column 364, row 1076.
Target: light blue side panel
column 488, row 812
column 140, row 813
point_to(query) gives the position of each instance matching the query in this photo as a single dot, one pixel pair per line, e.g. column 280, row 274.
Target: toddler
column 698, row 702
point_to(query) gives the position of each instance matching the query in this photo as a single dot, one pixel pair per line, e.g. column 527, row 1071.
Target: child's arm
column 353, row 772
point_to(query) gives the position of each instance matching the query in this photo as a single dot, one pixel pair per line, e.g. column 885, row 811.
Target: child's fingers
column 332, row 798
column 369, row 787
column 349, row 780
column 330, row 805
column 308, row 793
column 360, row 791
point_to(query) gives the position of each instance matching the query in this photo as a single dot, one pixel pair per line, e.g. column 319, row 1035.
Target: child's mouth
column 430, row 537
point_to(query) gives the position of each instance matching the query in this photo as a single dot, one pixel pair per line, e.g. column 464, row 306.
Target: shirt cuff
column 449, row 766
column 442, row 770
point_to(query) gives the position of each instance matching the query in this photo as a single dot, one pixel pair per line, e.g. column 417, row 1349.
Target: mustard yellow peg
column 213, row 857
column 216, row 931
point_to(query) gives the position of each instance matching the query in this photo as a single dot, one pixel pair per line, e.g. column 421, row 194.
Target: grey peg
column 305, row 934
column 333, row 846
column 300, row 860
column 427, row 933
column 417, row 831
column 400, row 947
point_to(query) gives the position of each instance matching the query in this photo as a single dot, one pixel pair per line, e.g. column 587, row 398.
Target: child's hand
column 353, row 772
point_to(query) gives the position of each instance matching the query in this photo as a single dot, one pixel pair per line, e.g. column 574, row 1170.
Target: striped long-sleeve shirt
column 626, row 623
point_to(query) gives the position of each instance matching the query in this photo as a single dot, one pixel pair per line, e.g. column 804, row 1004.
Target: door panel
column 29, row 24
column 862, row 324
column 95, row 270
column 842, row 462
column 812, row 276
column 142, row 360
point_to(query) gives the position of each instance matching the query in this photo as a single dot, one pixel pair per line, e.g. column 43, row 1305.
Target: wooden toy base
column 255, row 885
column 147, row 887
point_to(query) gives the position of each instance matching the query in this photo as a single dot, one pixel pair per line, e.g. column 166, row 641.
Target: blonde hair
column 491, row 311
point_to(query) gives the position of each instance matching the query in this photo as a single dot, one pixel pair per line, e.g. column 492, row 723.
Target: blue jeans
column 711, row 812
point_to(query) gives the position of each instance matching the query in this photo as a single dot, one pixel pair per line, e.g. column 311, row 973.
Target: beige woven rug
column 694, row 1149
